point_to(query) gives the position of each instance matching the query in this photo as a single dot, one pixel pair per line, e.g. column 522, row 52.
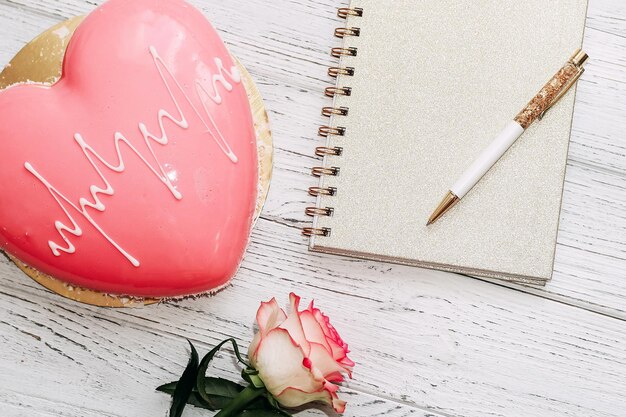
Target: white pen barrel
column 487, row 159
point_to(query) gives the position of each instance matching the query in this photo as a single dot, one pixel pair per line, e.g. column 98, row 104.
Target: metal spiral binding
column 310, row 231
column 321, row 171
column 339, row 52
column 337, row 91
column 344, row 12
column 343, row 32
column 318, row 211
column 317, row 191
column 336, row 71
column 329, row 111
column 322, row 151
column 326, row 131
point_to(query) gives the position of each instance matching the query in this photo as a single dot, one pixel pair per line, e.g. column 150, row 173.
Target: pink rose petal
column 279, row 361
column 322, row 360
column 270, row 316
column 294, row 325
column 293, row 397
column 312, row 330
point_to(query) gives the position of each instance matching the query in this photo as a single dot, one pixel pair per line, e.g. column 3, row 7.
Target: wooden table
column 427, row 343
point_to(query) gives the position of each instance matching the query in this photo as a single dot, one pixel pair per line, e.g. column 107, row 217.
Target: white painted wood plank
column 469, row 348
column 423, row 338
column 597, row 132
column 77, row 361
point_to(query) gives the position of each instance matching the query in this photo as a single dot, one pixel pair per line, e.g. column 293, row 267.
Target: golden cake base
column 41, row 61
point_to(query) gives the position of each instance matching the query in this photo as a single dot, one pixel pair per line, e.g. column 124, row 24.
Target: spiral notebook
column 422, row 87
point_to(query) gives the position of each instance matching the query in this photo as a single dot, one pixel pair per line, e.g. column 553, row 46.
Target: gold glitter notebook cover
column 434, row 82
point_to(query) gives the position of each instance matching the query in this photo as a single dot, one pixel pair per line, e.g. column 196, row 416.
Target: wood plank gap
column 595, row 167
column 387, row 398
column 535, row 291
column 34, row 10
column 565, row 300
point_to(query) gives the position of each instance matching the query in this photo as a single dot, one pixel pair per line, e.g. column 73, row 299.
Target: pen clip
column 563, row 91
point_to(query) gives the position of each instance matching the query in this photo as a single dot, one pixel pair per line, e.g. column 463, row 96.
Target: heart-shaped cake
column 135, row 173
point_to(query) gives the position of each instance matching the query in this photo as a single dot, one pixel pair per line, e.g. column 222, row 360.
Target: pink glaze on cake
column 136, row 173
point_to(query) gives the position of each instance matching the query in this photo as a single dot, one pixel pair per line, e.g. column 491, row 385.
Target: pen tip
column 446, row 204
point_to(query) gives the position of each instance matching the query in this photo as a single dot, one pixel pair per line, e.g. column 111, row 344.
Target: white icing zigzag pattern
column 221, row 77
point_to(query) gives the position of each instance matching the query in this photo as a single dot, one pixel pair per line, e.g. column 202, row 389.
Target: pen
column 552, row 92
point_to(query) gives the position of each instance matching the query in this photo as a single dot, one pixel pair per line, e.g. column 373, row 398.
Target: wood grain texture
column 427, row 343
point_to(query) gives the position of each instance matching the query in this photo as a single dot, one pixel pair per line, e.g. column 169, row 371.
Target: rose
column 293, row 360
column 299, row 356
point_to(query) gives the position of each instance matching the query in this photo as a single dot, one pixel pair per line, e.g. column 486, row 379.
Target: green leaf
column 231, row 390
column 168, row 388
column 219, row 391
column 185, row 385
column 202, row 381
column 197, row 401
column 263, row 413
